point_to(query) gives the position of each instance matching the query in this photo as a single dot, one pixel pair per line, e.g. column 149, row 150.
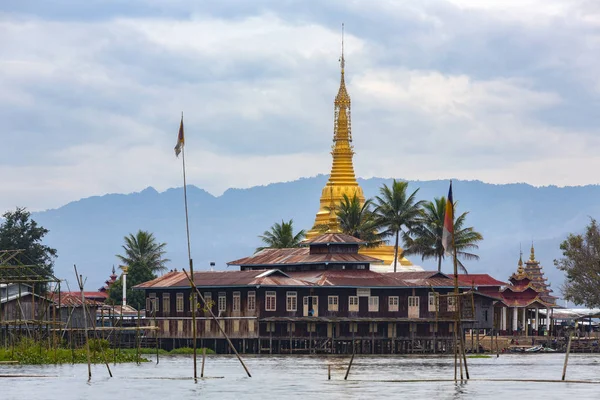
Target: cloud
column 92, row 92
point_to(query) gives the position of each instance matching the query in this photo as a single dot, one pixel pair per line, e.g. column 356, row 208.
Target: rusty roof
column 300, row 256
column 418, row 274
column 72, row 299
column 338, row 238
column 223, row 278
column 353, row 278
column 479, row 280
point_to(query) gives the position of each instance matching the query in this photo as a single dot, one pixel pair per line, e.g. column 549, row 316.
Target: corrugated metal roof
column 353, row 278
column 479, row 280
column 342, row 278
column 300, row 255
column 418, row 274
column 223, row 278
column 338, row 238
column 72, row 299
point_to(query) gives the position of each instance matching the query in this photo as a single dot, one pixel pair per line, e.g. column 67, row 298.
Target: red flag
column 448, row 222
column 180, row 139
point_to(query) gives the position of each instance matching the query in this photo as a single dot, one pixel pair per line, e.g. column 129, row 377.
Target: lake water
column 305, row 377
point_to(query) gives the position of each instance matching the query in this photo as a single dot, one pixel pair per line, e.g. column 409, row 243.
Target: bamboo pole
column 87, row 343
column 203, row 359
column 566, row 358
column 193, row 285
column 328, row 372
column 156, row 332
column 350, row 364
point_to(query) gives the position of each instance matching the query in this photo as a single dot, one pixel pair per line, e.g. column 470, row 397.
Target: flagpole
column 187, row 230
column 458, row 322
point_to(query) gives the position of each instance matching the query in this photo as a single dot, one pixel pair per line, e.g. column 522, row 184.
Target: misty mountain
column 90, row 232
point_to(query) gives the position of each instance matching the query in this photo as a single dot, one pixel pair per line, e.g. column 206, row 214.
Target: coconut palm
column 426, row 238
column 358, row 221
column 281, row 236
column 396, row 210
column 143, row 251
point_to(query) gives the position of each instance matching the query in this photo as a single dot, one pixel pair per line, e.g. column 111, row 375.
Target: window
column 451, row 303
column 270, row 326
column 373, row 303
column 236, row 301
column 373, row 327
column 413, row 301
column 292, row 301
column 179, row 302
column 207, row 324
column 434, row 302
column 270, row 301
column 393, row 303
column 151, row 303
column 194, row 302
column 251, row 301
column 236, row 325
column 208, row 300
column 166, row 302
column 291, row 327
column 180, row 326
column 250, row 325
column 352, row 303
column 166, row 326
column 222, row 302
column 332, row 303
column 311, row 327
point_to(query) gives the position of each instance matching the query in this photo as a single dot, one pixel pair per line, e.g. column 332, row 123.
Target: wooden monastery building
column 319, row 298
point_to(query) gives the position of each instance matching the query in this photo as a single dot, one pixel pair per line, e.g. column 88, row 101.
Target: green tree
column 281, row 236
column 396, row 210
column 19, row 232
column 144, row 258
column 426, row 237
column 358, row 221
column 142, row 249
column 581, row 264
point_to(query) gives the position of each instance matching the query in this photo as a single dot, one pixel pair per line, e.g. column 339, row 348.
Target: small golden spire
column 520, row 258
column 532, row 255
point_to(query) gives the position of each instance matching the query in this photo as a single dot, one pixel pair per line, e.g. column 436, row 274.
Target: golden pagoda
column 342, row 180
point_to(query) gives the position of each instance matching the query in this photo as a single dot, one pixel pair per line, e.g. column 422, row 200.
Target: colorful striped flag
column 448, row 222
column 180, row 139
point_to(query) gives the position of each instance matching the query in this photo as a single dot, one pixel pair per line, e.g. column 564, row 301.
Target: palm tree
column 281, row 236
column 358, row 221
column 142, row 250
column 396, row 210
column 426, row 239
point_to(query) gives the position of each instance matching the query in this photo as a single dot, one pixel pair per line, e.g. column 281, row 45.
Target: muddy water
column 305, row 377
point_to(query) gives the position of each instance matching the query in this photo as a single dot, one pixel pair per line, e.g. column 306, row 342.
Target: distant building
column 322, row 297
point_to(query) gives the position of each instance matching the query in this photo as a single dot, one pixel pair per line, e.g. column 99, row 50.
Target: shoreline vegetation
column 30, row 352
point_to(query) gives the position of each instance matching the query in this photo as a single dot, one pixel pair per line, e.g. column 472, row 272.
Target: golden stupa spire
column 532, row 255
column 520, row 256
column 342, row 179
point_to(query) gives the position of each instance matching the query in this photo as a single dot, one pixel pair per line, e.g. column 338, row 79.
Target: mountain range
column 89, row 232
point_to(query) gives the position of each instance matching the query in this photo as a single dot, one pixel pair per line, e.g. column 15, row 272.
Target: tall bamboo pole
column 87, row 343
column 187, row 230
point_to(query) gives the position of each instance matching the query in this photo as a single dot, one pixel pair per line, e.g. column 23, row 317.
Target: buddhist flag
column 180, row 139
column 448, row 222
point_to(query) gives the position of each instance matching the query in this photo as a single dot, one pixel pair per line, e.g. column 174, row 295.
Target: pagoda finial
column 113, row 269
column 520, row 256
column 532, row 255
column 342, row 61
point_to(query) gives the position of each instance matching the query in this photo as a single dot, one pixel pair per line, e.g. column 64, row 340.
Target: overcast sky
column 91, row 92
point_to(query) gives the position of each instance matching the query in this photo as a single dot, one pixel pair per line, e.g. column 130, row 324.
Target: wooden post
column 193, row 285
column 566, row 358
column 328, row 372
column 87, row 344
column 350, row 364
column 203, row 360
